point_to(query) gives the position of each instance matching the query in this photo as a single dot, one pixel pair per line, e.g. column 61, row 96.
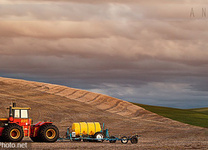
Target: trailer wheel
column 13, row 133
column 124, row 140
column 99, row 136
column 48, row 133
column 134, row 140
column 112, row 139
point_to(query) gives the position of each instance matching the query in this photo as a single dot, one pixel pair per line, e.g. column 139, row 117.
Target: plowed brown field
column 64, row 105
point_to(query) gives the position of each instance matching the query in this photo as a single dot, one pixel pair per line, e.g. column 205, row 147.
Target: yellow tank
column 89, row 128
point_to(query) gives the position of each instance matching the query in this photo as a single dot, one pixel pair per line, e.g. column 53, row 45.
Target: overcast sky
column 146, row 51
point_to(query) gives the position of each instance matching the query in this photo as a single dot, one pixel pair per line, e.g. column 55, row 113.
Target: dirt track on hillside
column 65, row 105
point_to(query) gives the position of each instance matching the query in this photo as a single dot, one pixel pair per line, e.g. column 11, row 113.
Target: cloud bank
column 147, row 52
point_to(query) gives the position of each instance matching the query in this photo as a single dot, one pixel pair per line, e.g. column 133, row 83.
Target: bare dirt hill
column 65, row 105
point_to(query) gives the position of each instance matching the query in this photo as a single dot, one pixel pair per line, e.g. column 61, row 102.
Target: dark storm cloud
column 142, row 51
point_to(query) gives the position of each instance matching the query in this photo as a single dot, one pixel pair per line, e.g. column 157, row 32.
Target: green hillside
column 197, row 117
column 200, row 110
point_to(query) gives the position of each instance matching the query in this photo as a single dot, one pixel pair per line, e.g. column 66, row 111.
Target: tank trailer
column 92, row 132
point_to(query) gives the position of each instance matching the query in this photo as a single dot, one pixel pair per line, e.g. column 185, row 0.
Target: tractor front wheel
column 49, row 133
column 13, row 133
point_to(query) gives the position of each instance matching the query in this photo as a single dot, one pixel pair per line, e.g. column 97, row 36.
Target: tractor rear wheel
column 13, row 133
column 48, row 133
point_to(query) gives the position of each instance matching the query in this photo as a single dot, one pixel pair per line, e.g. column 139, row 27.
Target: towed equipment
column 92, row 132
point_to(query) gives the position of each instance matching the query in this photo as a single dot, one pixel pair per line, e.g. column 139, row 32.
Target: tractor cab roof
column 27, row 108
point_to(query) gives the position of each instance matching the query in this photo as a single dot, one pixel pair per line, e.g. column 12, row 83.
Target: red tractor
column 19, row 125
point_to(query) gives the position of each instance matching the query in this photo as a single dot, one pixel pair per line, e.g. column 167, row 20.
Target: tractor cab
column 19, row 112
column 20, row 116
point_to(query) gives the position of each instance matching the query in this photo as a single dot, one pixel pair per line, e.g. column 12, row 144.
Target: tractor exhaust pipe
column 10, row 111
